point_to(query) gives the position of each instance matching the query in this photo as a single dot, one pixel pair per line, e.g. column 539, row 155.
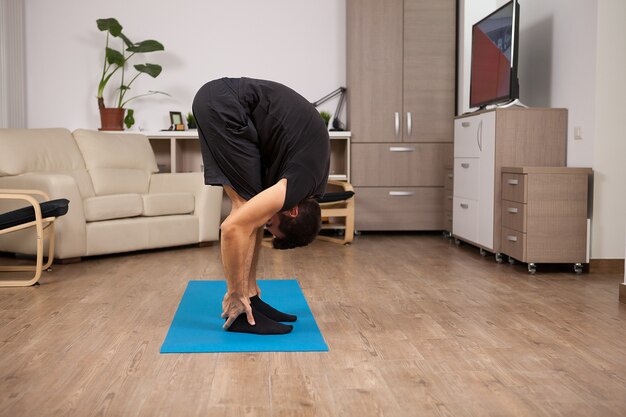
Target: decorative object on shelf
column 176, row 119
column 112, row 118
column 191, row 121
column 326, row 116
column 337, row 125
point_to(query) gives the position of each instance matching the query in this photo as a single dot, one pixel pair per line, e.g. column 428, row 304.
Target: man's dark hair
column 302, row 229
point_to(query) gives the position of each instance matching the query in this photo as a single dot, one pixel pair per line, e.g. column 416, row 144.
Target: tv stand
column 511, row 103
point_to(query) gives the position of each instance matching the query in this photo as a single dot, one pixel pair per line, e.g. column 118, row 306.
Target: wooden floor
column 415, row 325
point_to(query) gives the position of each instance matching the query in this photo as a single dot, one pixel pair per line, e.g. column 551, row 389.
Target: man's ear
column 293, row 213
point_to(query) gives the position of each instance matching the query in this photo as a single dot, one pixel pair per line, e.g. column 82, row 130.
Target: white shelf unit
column 179, row 151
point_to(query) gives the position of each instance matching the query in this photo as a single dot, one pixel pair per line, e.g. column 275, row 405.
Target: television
column 493, row 77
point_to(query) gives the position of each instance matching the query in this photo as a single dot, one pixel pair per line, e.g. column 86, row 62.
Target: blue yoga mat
column 197, row 325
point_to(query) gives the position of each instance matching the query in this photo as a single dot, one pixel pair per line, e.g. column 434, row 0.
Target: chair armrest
column 70, row 229
column 208, row 199
column 25, row 195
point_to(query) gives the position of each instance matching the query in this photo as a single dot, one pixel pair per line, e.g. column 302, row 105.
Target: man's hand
column 233, row 305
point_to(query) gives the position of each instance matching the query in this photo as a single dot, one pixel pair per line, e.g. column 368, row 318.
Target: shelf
column 179, row 151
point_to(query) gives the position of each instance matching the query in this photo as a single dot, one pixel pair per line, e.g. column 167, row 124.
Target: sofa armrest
column 208, row 199
column 70, row 229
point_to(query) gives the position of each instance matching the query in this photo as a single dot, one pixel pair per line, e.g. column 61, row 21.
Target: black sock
column 269, row 311
column 263, row 325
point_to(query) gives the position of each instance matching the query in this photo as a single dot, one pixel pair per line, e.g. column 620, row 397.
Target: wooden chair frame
column 44, row 228
column 341, row 209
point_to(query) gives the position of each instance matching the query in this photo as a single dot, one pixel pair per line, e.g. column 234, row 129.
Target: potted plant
column 191, row 121
column 326, row 116
column 112, row 118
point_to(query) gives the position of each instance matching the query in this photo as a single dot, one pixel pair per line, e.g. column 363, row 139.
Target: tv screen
column 494, row 57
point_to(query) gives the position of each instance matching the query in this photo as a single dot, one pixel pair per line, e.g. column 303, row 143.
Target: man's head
column 296, row 227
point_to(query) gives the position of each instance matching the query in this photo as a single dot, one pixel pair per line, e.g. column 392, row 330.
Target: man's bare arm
column 238, row 231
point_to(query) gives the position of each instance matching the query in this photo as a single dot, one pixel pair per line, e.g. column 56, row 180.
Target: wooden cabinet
column 401, row 69
column 448, row 195
column 484, row 142
column 544, row 215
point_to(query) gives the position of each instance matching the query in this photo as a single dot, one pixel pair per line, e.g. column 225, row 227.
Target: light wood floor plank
column 415, row 326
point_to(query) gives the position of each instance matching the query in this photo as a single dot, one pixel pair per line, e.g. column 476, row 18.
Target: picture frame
column 176, row 120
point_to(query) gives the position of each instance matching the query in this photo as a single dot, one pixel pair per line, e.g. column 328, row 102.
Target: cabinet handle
column 479, row 135
column 450, row 197
column 512, row 182
column 465, row 124
column 511, row 238
column 400, row 193
column 465, row 165
column 409, row 123
column 397, row 116
column 464, row 205
column 512, row 210
column 401, row 149
column 450, row 176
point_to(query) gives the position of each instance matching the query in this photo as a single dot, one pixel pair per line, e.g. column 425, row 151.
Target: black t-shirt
column 292, row 138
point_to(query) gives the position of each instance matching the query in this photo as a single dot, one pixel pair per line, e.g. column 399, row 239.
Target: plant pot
column 111, row 118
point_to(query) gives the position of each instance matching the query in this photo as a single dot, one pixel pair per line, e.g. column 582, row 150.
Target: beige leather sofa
column 118, row 201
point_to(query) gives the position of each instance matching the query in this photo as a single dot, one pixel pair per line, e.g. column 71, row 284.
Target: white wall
column 299, row 43
column 609, row 213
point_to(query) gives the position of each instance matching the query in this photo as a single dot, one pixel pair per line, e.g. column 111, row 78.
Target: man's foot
column 263, row 325
column 269, row 311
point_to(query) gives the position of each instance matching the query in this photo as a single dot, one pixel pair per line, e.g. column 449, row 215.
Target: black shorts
column 228, row 138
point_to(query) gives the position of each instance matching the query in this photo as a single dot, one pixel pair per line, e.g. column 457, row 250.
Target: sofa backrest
column 118, row 163
column 43, row 150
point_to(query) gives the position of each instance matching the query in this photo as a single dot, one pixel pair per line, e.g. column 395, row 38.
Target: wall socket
column 578, row 133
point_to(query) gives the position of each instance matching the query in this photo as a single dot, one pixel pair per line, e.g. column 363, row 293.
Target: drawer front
column 398, row 165
column 465, row 219
column 447, row 200
column 514, row 215
column 399, row 208
column 466, row 137
column 467, row 178
column 470, row 134
column 513, row 243
column 448, row 179
column 514, row 187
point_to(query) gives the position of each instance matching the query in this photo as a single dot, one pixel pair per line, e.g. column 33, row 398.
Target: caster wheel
column 499, row 258
column 532, row 268
column 578, row 268
column 511, row 261
column 483, row 252
column 447, row 235
column 457, row 242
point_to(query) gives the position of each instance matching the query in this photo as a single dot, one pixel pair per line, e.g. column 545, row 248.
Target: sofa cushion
column 117, row 162
column 33, row 150
column 110, row 207
column 162, row 204
column 43, row 150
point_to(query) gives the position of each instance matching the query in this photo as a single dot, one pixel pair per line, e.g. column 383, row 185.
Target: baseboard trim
column 607, row 266
column 622, row 292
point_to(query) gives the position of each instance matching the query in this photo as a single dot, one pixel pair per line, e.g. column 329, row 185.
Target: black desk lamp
column 337, row 125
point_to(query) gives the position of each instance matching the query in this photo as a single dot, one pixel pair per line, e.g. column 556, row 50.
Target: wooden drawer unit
column 514, row 187
column 398, row 208
column 544, row 215
column 399, row 165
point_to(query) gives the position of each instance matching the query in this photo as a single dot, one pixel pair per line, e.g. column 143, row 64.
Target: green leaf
column 146, row 46
column 111, row 25
column 129, row 120
column 152, row 70
column 114, row 57
column 124, row 87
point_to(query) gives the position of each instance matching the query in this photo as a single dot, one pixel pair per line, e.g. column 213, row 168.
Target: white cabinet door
column 466, row 137
column 487, row 148
column 465, row 218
